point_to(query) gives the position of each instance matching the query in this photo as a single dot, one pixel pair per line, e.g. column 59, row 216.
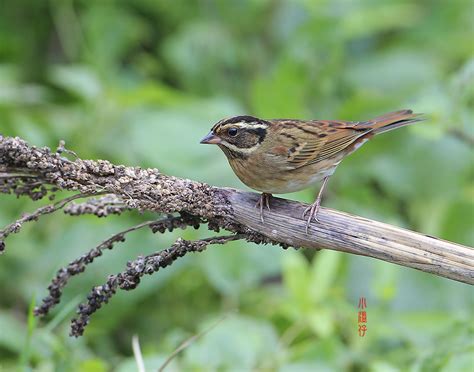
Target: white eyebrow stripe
column 248, row 125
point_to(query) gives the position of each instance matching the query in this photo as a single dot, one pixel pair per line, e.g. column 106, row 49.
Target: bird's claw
column 264, row 199
column 313, row 214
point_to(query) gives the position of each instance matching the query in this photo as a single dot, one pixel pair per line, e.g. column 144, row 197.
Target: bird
column 279, row 156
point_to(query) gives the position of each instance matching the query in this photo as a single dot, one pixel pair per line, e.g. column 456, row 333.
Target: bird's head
column 238, row 136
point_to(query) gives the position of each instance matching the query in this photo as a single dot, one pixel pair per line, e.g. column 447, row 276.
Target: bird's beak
column 211, row 139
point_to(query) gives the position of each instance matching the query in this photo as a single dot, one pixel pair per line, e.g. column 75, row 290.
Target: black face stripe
column 247, row 138
column 260, row 132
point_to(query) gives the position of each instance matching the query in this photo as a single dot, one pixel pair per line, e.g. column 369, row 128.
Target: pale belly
column 274, row 181
column 296, row 183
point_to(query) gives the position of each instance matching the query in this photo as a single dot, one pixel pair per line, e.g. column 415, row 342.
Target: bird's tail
column 392, row 120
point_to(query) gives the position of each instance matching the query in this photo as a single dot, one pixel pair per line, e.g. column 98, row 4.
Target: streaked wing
column 319, row 140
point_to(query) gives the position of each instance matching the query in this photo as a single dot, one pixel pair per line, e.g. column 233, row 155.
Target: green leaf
column 385, row 281
column 79, row 80
column 239, row 266
column 93, row 365
column 321, row 322
column 237, row 343
column 281, row 94
column 296, row 277
column 13, row 332
column 323, row 274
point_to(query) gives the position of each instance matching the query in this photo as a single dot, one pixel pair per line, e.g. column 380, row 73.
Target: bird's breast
column 270, row 176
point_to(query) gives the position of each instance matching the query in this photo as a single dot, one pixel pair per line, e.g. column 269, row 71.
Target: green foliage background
column 140, row 82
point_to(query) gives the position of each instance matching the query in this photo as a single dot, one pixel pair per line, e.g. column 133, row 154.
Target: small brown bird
column 279, row 156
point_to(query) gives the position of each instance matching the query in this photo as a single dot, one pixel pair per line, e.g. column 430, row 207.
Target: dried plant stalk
column 35, row 173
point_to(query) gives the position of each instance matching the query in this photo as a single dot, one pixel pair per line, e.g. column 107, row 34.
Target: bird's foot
column 313, row 213
column 264, row 200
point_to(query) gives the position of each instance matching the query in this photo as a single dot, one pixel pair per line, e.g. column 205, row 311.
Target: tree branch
column 352, row 234
column 29, row 171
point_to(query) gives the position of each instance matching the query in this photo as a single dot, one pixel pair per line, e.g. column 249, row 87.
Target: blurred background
column 141, row 82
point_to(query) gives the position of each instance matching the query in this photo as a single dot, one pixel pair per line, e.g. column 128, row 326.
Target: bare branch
column 343, row 232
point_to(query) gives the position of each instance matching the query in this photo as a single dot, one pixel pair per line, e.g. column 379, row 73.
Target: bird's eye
column 232, row 132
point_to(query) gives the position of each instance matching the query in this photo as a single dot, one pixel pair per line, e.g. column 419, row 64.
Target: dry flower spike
column 113, row 189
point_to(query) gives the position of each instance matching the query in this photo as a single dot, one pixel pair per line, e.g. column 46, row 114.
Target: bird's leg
column 264, row 199
column 314, row 208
